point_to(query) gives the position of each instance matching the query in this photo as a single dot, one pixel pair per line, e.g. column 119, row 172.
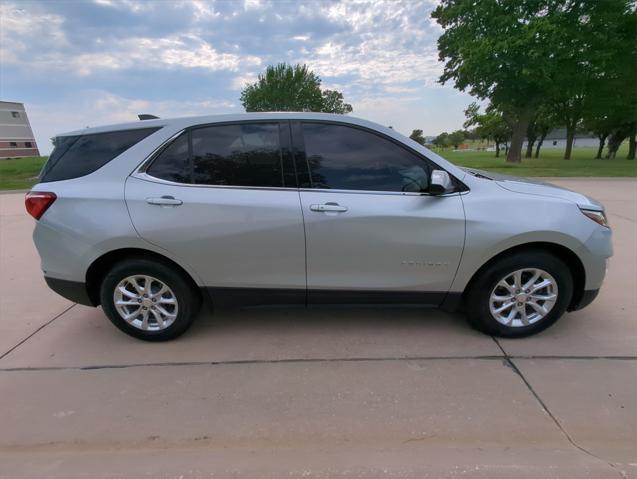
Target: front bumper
column 588, row 296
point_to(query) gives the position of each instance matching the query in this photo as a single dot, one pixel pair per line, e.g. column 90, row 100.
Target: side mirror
column 440, row 182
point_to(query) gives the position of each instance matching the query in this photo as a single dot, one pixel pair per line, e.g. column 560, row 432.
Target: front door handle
column 164, row 201
column 329, row 207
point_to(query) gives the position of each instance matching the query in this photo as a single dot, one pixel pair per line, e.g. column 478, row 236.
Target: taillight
column 37, row 202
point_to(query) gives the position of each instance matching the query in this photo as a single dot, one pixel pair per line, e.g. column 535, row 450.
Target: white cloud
column 192, row 52
column 96, row 107
column 239, row 82
column 399, row 89
column 204, row 10
column 18, row 26
column 183, row 51
column 253, row 4
column 387, row 42
column 132, row 5
column 380, row 53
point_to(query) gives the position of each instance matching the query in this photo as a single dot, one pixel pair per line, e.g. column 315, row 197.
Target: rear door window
column 75, row 156
column 241, row 154
column 245, row 154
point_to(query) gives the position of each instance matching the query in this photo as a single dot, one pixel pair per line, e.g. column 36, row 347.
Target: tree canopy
column 286, row 87
column 489, row 125
column 417, row 136
column 520, row 54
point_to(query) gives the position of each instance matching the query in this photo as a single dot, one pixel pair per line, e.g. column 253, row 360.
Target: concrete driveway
column 330, row 392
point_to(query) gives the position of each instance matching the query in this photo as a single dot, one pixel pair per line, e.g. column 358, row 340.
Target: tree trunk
column 514, row 155
column 570, row 138
column 529, row 148
column 632, row 143
column 497, row 149
column 602, row 142
column 539, row 145
column 614, row 141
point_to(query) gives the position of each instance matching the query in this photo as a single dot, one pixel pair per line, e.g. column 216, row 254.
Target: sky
column 95, row 62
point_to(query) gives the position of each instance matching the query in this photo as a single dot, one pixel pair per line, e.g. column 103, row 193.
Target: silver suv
column 152, row 219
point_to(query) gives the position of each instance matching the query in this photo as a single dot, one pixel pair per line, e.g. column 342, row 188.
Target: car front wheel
column 520, row 294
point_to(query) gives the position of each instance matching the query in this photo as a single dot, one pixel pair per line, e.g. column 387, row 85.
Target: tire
column 527, row 319
column 170, row 292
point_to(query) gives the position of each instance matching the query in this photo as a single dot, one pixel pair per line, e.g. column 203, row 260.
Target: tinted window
column 75, row 156
column 346, row 158
column 172, row 164
column 238, row 155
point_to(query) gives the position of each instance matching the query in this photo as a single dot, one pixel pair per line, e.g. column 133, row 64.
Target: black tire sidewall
column 479, row 295
column 181, row 287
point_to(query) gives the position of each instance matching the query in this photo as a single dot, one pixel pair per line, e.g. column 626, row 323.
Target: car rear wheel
column 520, row 294
column 148, row 299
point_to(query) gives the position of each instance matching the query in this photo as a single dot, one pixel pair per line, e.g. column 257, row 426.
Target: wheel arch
column 101, row 265
column 574, row 263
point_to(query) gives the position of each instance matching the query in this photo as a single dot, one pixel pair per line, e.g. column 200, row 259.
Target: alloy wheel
column 145, row 303
column 523, row 297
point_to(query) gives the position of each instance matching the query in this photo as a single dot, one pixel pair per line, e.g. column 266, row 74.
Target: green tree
column 442, row 140
column 489, row 125
column 599, row 121
column 610, row 110
column 543, row 121
column 518, row 53
column 456, row 138
column 333, row 102
column 417, row 136
column 286, row 87
column 603, row 75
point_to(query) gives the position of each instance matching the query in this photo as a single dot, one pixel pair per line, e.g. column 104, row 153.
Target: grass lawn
column 550, row 163
column 21, row 173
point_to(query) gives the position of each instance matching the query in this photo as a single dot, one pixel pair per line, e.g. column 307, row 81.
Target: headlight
column 597, row 216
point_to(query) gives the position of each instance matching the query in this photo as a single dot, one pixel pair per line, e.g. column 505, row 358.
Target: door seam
column 305, row 245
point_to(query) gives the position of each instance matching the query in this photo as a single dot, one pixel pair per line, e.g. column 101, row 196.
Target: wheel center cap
column 521, row 298
column 147, row 302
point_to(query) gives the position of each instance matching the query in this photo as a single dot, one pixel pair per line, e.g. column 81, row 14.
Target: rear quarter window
column 75, row 156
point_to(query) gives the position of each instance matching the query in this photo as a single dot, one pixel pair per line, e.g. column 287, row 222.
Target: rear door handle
column 164, row 201
column 331, row 207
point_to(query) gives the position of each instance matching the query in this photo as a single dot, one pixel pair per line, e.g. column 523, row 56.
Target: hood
column 539, row 188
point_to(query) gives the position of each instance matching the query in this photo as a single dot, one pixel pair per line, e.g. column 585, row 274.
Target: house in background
column 557, row 139
column 16, row 136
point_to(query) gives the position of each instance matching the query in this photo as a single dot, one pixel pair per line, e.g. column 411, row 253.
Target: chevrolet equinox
column 151, row 219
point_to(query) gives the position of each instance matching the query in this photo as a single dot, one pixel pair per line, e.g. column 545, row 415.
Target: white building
column 16, row 136
column 557, row 139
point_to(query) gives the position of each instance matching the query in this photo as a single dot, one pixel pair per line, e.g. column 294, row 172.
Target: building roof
column 3, row 102
column 560, row 134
